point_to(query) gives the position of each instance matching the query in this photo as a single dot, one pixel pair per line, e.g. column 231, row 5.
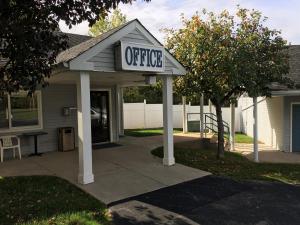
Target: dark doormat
column 106, row 145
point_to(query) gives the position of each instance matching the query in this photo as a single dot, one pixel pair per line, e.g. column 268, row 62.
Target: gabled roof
column 76, row 50
column 82, row 48
column 80, row 57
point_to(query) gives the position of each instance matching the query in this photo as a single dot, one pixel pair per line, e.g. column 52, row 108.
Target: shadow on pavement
column 212, row 200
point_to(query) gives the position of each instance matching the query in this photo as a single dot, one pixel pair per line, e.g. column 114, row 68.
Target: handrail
column 215, row 118
column 224, row 122
column 213, row 125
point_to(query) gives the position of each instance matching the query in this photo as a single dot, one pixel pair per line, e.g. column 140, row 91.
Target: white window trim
column 24, row 128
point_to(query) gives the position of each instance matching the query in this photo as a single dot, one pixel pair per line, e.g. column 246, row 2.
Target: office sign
column 140, row 57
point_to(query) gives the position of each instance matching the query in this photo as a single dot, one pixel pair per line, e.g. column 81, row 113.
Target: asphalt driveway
column 213, row 200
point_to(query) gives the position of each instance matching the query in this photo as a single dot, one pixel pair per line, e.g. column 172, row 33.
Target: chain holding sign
column 139, row 57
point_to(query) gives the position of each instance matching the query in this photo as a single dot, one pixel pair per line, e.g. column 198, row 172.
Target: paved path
column 120, row 172
column 268, row 154
column 213, row 201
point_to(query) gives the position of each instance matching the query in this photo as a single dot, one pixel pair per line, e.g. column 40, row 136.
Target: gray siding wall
column 270, row 119
column 287, row 120
column 105, row 60
column 54, row 98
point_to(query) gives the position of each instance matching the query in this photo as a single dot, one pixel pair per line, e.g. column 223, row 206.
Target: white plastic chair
column 10, row 142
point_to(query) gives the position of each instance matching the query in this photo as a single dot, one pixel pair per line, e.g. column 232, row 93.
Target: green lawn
column 233, row 165
column 242, row 138
column 47, row 200
column 147, row 132
column 239, row 137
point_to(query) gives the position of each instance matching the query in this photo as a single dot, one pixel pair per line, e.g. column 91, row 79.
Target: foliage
column 233, row 165
column 105, row 24
column 47, row 200
column 226, row 56
column 30, row 40
column 152, row 94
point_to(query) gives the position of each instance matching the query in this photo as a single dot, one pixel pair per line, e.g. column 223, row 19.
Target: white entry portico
column 125, row 56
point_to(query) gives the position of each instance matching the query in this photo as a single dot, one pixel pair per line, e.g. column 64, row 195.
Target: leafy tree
column 30, row 40
column 226, row 56
column 105, row 24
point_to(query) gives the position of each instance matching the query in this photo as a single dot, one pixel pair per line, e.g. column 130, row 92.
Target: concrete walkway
column 267, row 154
column 120, row 172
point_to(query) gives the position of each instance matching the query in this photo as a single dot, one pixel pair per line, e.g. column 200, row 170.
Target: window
column 20, row 112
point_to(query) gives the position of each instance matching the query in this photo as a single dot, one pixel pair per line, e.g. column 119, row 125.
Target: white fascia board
column 175, row 72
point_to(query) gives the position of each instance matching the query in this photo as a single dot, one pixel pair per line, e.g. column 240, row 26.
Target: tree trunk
column 220, row 153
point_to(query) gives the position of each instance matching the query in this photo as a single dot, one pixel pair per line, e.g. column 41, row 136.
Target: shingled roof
column 77, row 50
column 73, row 40
column 294, row 53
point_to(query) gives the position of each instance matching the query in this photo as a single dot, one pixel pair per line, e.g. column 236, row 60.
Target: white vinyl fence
column 143, row 115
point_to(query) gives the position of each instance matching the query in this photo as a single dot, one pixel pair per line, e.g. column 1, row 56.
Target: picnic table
column 35, row 137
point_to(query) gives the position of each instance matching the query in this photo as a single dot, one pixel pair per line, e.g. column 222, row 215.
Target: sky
column 283, row 15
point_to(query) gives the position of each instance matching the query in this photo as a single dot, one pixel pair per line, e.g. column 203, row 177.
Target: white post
column 121, row 99
column 145, row 104
column 201, row 115
column 119, row 111
column 168, row 121
column 210, row 114
column 85, row 175
column 232, row 126
column 255, row 131
column 184, row 115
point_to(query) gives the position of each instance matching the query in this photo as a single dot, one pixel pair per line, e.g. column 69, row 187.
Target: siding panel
column 105, row 60
column 54, row 98
column 270, row 120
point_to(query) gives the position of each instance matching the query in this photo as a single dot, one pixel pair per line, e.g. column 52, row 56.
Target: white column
column 255, row 131
column 168, row 121
column 145, row 112
column 201, row 115
column 85, row 175
column 184, row 115
column 119, row 111
column 232, row 126
column 210, row 114
column 121, row 99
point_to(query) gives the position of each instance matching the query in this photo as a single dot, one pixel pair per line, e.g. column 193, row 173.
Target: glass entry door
column 100, row 116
